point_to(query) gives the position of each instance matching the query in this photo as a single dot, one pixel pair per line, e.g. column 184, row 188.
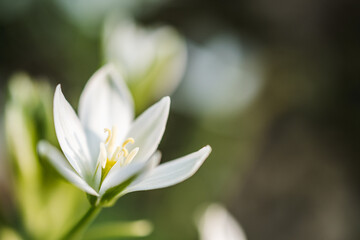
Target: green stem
column 79, row 228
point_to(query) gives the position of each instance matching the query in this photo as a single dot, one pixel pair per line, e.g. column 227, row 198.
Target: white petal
column 118, row 175
column 173, row 172
column 71, row 135
column 63, row 167
column 218, row 224
column 105, row 102
column 153, row 162
column 116, row 171
column 148, row 129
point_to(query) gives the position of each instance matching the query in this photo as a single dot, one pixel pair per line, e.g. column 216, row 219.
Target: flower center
column 109, row 155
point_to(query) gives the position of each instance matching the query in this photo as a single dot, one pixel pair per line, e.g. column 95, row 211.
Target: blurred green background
column 272, row 86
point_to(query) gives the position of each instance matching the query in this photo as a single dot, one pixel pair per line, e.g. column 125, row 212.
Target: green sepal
column 112, row 194
column 92, row 199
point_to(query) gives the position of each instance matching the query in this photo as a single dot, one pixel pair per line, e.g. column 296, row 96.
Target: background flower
column 152, row 59
column 216, row 223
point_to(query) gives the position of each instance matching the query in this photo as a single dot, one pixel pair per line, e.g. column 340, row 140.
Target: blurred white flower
column 152, row 60
column 222, row 79
column 216, row 223
column 122, row 159
column 89, row 15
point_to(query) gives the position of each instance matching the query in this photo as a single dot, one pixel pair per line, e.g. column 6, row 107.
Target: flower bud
column 152, row 60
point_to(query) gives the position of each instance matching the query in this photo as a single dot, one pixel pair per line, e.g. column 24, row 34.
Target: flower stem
column 79, row 228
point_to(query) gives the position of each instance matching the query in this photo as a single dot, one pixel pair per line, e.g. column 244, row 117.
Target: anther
column 129, row 140
column 125, row 151
column 131, row 155
column 108, row 131
column 108, row 156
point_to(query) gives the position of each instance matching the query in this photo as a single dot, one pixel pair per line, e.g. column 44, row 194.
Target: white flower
column 223, row 57
column 216, row 223
column 152, row 59
column 108, row 154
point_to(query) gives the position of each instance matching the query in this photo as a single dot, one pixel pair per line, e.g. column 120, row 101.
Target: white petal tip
column 94, row 194
column 206, row 150
column 204, row 153
column 110, row 67
column 106, row 68
column 58, row 93
column 166, row 99
column 158, row 154
column 42, row 147
column 165, row 103
column 86, row 188
column 58, row 88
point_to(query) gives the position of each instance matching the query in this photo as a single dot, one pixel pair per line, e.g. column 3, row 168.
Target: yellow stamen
column 125, row 151
column 127, row 141
column 102, row 155
column 108, row 131
column 108, row 157
column 131, row 156
column 115, row 156
column 112, row 140
column 121, row 158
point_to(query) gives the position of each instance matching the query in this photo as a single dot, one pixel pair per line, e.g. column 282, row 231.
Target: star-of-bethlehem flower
column 108, row 153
